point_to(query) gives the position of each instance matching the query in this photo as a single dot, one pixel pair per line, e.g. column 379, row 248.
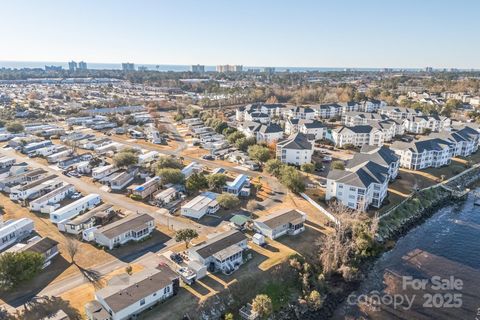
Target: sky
column 296, row 33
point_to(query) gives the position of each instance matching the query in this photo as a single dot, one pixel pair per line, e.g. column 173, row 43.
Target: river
column 444, row 252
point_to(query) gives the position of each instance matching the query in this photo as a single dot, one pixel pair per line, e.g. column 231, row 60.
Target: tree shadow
column 47, row 306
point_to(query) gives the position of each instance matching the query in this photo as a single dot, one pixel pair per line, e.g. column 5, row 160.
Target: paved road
column 161, row 215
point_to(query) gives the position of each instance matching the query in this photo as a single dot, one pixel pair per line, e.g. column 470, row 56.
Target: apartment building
column 358, row 187
column 399, row 113
column 296, row 149
column 353, row 118
column 358, row 136
column 421, row 124
column 421, row 154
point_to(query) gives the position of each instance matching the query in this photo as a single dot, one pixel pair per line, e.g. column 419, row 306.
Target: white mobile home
column 223, row 252
column 35, row 189
column 147, row 157
column 103, row 171
column 13, row 231
column 84, row 221
column 127, row 296
column 54, row 158
column 287, row 221
column 131, row 228
column 75, row 208
column 201, row 205
column 47, row 202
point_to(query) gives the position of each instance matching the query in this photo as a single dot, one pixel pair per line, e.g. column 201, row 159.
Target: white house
column 295, row 150
column 55, row 157
column 286, row 221
column 75, row 208
column 223, row 252
column 120, row 180
column 46, row 203
column 126, row 296
column 12, row 231
column 134, row 227
column 201, row 205
column 191, row 168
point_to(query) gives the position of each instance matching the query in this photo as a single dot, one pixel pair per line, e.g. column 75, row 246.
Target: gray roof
column 281, row 217
column 356, row 129
column 136, row 287
column 360, row 176
column 297, row 141
column 419, row 146
column 41, row 246
column 270, row 128
column 131, row 222
column 219, row 243
column 312, row 124
column 380, row 155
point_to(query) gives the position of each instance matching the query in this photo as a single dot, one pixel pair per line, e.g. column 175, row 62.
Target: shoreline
column 415, row 219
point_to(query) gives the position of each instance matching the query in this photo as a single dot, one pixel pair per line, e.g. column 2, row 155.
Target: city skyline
column 345, row 34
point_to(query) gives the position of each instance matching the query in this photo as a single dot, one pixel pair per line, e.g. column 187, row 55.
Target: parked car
column 327, row 158
column 207, row 157
column 175, row 257
column 76, row 195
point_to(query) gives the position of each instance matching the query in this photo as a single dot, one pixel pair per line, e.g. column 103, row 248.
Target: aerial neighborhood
column 153, row 199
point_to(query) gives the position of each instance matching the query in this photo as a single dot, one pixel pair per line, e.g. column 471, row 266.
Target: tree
column 273, row 166
column 18, row 267
column 339, row 165
column 228, row 201
column 170, row 175
column 244, row 143
column 233, row 137
column 228, row 316
column 186, row 235
column 262, row 305
column 129, row 269
column 314, row 300
column 72, row 249
column 292, row 179
column 308, row 167
column 168, row 162
column 178, row 117
column 259, row 153
column 196, row 182
column 220, row 127
column 125, row 159
column 15, row 127
column 216, row 181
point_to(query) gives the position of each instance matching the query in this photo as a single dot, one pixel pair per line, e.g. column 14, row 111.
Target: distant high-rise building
column 127, row 66
column 269, row 70
column 82, row 65
column 53, row 68
column 428, row 69
column 197, row 68
column 72, row 66
column 229, row 68
column 142, row 68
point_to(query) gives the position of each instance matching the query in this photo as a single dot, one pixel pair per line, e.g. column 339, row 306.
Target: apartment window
column 351, row 205
column 352, row 189
column 340, row 186
column 166, row 290
column 142, row 302
column 351, row 196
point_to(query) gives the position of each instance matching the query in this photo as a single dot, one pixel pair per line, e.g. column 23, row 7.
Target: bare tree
column 72, row 249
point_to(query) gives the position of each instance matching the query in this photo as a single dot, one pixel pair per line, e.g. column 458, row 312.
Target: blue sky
column 301, row 33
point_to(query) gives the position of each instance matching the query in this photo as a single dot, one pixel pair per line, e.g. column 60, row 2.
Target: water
column 446, row 245
column 169, row 67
